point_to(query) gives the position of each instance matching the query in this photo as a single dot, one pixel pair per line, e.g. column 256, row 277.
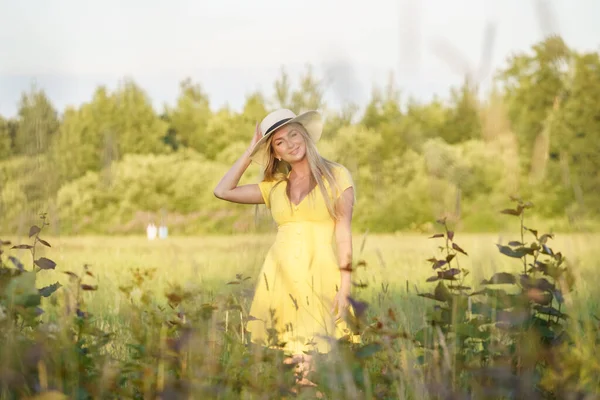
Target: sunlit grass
column 395, row 272
column 395, row 261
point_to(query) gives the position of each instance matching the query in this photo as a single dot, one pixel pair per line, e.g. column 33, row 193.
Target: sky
column 233, row 48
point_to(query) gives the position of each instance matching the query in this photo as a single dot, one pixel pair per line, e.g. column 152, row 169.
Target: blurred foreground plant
column 506, row 339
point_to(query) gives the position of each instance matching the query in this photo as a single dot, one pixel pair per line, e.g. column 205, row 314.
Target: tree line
column 114, row 163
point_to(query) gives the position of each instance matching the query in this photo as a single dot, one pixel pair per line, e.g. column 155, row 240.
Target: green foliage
column 509, row 338
column 512, row 329
column 139, row 189
column 533, row 136
column 38, row 123
column 5, row 139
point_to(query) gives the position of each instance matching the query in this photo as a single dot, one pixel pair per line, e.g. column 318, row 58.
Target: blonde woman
column 303, row 288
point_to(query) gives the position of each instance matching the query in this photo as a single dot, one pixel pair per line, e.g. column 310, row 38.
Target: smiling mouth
column 294, row 152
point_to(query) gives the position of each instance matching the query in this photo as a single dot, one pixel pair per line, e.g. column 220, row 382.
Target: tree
column 462, row 120
column 576, row 138
column 5, row 139
column 189, row 119
column 106, row 129
column 38, row 122
column 531, row 83
column 138, row 129
column 308, row 95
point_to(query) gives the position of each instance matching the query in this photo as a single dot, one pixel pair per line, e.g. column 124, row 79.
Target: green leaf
column 471, row 329
column 457, row 248
column 22, row 247
column 510, row 211
column 449, row 274
column 516, row 253
column 368, row 350
column 48, row 290
column 34, row 230
column 544, row 238
column 45, row 263
column 442, row 293
column 42, row 241
column 437, row 235
column 533, row 231
column 429, row 296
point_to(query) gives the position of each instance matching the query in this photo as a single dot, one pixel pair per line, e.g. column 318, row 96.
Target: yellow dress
column 300, row 275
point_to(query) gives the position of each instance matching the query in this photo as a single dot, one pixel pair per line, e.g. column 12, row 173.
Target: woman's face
column 288, row 144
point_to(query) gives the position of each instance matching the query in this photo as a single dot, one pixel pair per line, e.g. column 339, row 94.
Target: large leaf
column 510, row 211
column 48, row 290
column 449, row 274
column 441, row 292
column 45, row 263
column 516, row 253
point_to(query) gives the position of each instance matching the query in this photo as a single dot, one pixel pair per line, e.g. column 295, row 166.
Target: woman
column 302, row 292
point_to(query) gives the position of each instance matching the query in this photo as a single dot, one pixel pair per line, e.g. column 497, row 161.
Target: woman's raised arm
column 228, row 189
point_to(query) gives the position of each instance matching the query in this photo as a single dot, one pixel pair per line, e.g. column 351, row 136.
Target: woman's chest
column 304, row 203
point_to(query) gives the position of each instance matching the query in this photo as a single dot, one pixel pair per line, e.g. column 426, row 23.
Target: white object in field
column 163, row 232
column 151, row 231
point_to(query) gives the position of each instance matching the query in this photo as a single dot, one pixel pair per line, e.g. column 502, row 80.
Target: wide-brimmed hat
column 312, row 121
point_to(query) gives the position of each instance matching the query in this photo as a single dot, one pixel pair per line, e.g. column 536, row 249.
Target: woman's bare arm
column 343, row 238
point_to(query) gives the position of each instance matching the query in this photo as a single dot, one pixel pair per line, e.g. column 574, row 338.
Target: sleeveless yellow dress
column 300, row 275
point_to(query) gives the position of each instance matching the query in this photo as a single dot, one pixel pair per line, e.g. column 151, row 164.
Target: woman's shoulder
column 342, row 176
column 340, row 171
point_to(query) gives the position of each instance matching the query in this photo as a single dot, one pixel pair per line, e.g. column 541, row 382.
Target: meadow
column 134, row 318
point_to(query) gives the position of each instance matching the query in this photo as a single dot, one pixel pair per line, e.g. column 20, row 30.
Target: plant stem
column 523, row 241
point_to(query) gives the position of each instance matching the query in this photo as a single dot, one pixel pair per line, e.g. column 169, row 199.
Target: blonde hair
column 321, row 169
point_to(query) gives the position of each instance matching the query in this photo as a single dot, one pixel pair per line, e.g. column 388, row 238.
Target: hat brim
column 312, row 121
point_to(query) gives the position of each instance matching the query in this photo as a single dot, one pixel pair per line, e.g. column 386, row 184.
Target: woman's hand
column 341, row 302
column 257, row 136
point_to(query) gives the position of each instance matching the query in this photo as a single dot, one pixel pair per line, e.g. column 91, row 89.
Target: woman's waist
column 320, row 231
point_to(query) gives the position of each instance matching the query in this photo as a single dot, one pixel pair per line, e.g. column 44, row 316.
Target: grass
column 395, row 271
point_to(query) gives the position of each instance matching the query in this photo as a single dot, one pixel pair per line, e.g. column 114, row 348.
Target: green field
column 208, row 263
column 200, row 270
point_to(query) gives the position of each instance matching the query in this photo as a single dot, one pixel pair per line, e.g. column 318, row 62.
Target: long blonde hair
column 321, row 169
